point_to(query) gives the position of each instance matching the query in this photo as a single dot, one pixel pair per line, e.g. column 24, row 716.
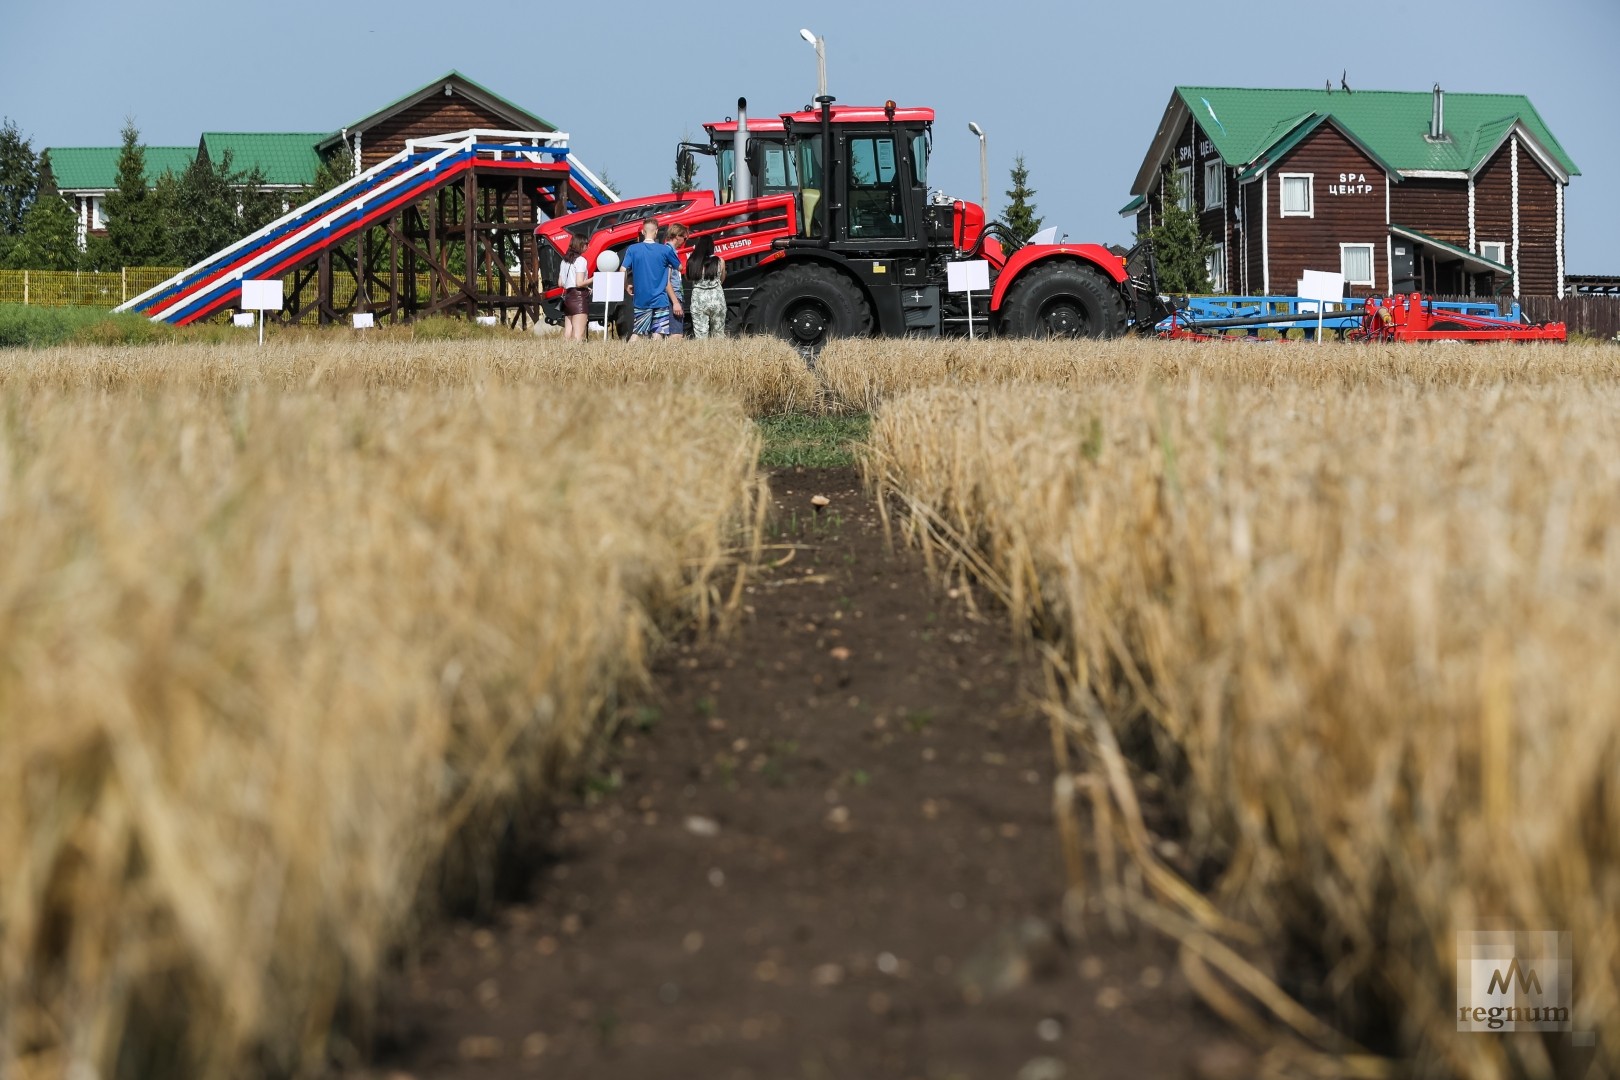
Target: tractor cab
column 863, row 174
column 771, row 168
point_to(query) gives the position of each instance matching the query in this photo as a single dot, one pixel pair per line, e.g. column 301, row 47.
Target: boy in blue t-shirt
column 650, row 265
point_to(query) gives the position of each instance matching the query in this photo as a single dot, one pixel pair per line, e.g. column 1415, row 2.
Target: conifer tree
column 1019, row 217
column 1180, row 248
column 50, row 232
column 19, row 178
column 135, row 219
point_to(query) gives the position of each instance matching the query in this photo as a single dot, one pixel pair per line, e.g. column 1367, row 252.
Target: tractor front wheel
column 1063, row 300
column 810, row 305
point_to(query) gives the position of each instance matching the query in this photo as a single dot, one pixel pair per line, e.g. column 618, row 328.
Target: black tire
column 1063, row 300
column 810, row 305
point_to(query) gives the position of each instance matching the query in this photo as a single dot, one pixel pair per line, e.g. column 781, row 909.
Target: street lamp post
column 984, row 169
column 820, row 44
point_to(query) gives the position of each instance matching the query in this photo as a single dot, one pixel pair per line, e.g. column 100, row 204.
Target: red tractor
column 828, row 229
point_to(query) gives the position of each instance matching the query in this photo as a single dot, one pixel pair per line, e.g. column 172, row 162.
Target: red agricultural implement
column 1410, row 318
column 1404, row 317
column 827, row 227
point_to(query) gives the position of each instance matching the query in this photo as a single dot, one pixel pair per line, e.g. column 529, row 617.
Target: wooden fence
column 1598, row 316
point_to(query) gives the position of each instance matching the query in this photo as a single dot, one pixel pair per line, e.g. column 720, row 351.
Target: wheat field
column 1358, row 613
column 293, row 637
column 291, row 644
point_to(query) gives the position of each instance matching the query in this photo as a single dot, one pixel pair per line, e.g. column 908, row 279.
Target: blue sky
column 1077, row 88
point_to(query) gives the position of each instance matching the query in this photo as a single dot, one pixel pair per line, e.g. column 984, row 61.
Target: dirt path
column 827, row 852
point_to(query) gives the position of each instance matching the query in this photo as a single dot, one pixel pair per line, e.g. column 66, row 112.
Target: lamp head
column 976, row 129
column 808, row 36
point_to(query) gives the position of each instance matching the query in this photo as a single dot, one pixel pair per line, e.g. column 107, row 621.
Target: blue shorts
column 651, row 322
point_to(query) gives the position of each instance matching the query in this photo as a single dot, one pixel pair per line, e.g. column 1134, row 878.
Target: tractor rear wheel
column 1064, row 300
column 809, row 305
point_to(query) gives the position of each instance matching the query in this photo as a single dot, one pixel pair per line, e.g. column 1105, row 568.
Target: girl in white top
column 575, row 278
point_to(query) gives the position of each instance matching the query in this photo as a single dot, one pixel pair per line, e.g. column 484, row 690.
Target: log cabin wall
column 1347, row 206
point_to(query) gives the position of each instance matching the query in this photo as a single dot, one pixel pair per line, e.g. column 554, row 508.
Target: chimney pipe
column 1437, row 124
column 742, row 185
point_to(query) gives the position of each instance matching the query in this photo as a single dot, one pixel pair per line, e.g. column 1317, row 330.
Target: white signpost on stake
column 261, row 295
column 968, row 277
column 1324, row 287
column 607, row 287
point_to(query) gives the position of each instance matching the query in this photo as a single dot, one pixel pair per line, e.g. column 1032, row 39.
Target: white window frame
column 1184, row 173
column 1215, row 266
column 1214, row 192
column 1501, row 251
column 1310, row 194
column 98, row 213
column 1372, row 267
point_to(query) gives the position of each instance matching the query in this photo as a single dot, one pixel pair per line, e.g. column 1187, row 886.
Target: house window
column 1184, row 181
column 1356, row 263
column 98, row 214
column 1214, row 184
column 1215, row 267
column 1297, row 195
column 1494, row 250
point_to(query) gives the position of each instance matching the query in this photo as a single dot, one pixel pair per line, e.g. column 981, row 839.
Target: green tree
column 135, row 218
column 334, row 171
column 50, row 232
column 1180, row 248
column 19, row 179
column 1020, row 218
column 258, row 205
column 199, row 208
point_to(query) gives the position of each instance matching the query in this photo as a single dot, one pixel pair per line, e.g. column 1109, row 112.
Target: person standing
column 575, row 278
column 680, row 287
column 650, row 265
column 708, row 305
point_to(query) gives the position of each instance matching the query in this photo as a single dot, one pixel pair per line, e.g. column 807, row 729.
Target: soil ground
column 824, row 849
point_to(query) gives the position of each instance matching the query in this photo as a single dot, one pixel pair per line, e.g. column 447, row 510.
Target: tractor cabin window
column 1356, row 264
column 875, row 198
column 1214, row 185
column 1297, row 195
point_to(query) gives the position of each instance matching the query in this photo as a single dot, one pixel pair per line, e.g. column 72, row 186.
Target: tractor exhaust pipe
column 742, row 184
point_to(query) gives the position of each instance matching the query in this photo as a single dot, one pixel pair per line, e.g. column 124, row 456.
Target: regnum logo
column 1511, row 980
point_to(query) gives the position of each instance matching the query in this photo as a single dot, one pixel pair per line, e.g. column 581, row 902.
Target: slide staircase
column 377, row 196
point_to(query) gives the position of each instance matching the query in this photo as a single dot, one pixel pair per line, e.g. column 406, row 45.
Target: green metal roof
column 538, row 123
column 1280, row 147
column 96, row 167
column 1462, row 254
column 286, row 158
column 1133, row 206
column 1392, row 124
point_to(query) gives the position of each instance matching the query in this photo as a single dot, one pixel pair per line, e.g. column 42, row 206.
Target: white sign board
column 1321, row 285
column 607, row 287
column 263, row 295
column 364, row 320
column 970, row 276
column 244, row 318
column 486, row 320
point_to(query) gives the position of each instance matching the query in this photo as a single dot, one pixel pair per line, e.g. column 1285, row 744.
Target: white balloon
column 607, row 262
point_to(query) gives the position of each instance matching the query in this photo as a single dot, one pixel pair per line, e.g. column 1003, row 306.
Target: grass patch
column 816, row 442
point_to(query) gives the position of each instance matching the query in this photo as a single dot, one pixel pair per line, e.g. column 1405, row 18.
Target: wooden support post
column 469, row 204
column 323, row 295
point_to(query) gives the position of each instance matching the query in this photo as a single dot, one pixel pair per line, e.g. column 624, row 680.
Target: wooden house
column 1448, row 193
column 452, row 102
column 85, row 175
